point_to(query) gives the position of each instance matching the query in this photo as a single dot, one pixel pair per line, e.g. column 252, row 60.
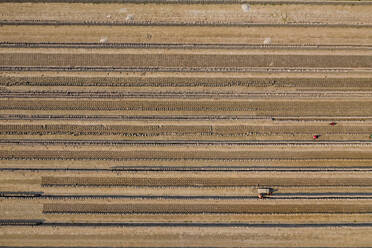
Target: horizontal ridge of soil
column 205, row 208
column 202, row 182
column 185, row 60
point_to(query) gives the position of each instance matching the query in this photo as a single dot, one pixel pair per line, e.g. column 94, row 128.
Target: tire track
column 185, row 142
column 176, row 24
column 63, row 208
column 185, row 61
column 47, row 181
column 177, row 95
column 301, row 83
column 178, row 46
column 25, row 196
column 171, row 69
column 346, row 2
column 183, row 117
column 195, row 169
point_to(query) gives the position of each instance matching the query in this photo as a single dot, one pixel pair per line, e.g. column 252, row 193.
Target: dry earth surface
column 155, row 123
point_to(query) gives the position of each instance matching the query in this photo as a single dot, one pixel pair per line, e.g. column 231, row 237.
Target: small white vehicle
column 262, row 192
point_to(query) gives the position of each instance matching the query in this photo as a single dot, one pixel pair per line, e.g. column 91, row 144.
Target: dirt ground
column 158, row 124
column 288, row 35
column 190, row 13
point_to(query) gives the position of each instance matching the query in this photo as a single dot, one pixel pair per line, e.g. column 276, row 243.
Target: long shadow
column 285, row 196
column 160, row 224
column 326, row 194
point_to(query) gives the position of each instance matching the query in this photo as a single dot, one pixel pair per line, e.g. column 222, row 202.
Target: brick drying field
column 156, row 123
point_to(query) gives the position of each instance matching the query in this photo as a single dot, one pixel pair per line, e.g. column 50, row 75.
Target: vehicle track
column 198, row 155
column 180, row 24
column 8, row 195
column 185, row 142
column 187, row 61
column 18, row 222
column 345, row 84
column 137, row 117
column 346, row 2
column 179, row 69
column 195, row 132
column 183, row 117
column 195, row 169
column 179, row 46
column 26, row 194
column 49, row 181
column 266, row 107
column 176, row 95
column 62, row 208
column 238, row 168
column 353, row 106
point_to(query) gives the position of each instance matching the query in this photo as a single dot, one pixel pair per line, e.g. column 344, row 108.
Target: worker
column 260, row 196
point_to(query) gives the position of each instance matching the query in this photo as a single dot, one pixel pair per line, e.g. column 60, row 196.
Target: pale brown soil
column 202, row 182
column 209, row 131
column 291, row 107
column 165, row 236
column 211, row 13
column 153, row 156
column 188, row 34
column 207, row 208
column 185, row 60
column 285, row 85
